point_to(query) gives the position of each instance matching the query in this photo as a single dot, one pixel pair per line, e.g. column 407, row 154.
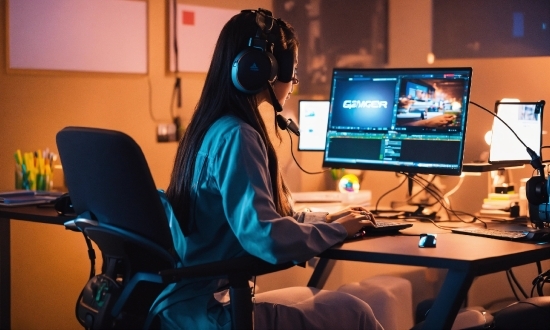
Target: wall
column 49, row 265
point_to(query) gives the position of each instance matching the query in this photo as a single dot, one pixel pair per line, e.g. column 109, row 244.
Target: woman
column 227, row 194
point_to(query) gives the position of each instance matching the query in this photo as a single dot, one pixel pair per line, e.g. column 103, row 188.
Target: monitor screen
column 401, row 120
column 312, row 118
column 525, row 119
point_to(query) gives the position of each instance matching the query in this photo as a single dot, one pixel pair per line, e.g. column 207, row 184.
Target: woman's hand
column 353, row 218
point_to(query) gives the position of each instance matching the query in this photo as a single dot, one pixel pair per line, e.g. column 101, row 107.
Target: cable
column 539, row 282
column 176, row 93
column 510, row 275
column 544, row 160
column 175, row 31
column 455, row 213
column 536, row 162
column 177, row 83
column 296, row 161
column 387, row 192
column 451, row 192
column 489, row 111
column 436, row 195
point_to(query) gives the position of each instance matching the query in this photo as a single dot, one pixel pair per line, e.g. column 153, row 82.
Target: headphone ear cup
column 535, row 190
column 252, row 69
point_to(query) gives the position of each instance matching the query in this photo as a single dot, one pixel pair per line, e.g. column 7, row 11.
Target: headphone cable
column 296, row 161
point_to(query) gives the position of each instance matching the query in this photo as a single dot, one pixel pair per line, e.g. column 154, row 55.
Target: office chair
column 118, row 208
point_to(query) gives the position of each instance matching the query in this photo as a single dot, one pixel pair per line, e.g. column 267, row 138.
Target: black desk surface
column 453, row 251
column 42, row 214
column 464, row 257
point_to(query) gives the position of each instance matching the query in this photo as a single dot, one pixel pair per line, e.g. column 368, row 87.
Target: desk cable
column 539, row 281
column 425, row 184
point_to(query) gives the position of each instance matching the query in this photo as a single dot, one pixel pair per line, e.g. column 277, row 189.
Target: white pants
column 311, row 308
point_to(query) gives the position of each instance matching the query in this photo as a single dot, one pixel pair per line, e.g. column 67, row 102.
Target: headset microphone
column 276, row 105
column 288, row 124
column 282, row 122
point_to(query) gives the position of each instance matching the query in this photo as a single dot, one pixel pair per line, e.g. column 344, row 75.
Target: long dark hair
column 219, row 97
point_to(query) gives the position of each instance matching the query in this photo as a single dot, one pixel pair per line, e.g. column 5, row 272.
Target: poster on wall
column 490, row 28
column 196, row 32
column 335, row 33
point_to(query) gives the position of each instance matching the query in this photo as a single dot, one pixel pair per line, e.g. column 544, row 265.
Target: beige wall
column 49, row 265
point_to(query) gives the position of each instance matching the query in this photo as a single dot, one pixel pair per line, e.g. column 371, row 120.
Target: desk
column 464, row 256
column 28, row 213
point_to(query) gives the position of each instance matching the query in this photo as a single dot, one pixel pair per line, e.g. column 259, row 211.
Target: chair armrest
column 247, row 265
column 129, row 288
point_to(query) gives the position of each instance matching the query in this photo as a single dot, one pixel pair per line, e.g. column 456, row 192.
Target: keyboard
column 513, row 235
column 383, row 228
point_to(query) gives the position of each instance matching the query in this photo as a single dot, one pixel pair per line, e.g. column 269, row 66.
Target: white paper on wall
column 78, row 35
column 197, row 30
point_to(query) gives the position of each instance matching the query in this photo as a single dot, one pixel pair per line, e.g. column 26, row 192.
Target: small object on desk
column 24, row 197
column 514, row 210
column 64, row 206
column 427, row 240
column 504, row 190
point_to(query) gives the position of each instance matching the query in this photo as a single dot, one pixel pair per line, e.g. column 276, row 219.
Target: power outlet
column 167, row 132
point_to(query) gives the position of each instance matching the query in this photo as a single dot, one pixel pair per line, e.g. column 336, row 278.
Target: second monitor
column 313, row 118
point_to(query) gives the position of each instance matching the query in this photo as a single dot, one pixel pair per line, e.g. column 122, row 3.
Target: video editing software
column 403, row 120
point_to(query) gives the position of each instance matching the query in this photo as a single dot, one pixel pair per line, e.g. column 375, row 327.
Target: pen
column 18, row 158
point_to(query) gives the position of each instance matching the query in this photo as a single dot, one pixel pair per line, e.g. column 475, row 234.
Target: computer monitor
column 313, row 119
column 403, row 120
column 525, row 119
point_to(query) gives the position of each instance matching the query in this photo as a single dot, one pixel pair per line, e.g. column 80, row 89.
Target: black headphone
column 257, row 65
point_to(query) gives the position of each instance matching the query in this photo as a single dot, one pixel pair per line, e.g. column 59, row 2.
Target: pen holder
column 33, row 170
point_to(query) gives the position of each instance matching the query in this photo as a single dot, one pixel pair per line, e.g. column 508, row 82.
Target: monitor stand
column 422, row 211
column 421, row 208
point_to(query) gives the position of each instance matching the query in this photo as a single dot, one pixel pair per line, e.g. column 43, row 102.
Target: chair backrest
column 118, row 207
column 107, row 175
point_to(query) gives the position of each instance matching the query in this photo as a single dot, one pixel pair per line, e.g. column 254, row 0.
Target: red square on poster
column 188, row 17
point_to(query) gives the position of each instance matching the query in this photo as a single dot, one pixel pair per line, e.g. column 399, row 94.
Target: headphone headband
column 257, row 65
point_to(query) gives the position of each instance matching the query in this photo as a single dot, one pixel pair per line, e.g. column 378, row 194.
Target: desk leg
column 449, row 300
column 5, row 276
column 321, row 272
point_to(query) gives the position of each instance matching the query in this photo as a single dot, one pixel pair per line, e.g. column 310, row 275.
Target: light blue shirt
column 233, row 215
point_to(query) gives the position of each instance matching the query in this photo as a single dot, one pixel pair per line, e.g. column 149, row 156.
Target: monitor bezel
column 403, row 168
